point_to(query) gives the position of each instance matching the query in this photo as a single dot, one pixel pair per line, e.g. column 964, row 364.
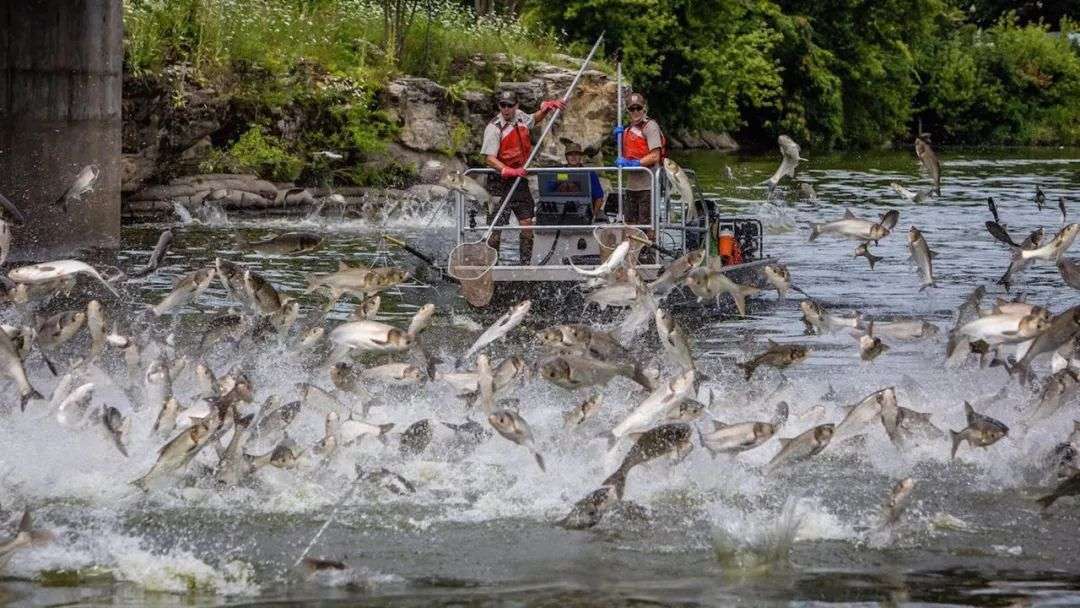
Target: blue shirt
column 594, row 186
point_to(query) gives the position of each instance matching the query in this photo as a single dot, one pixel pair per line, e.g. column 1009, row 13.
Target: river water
column 478, row 530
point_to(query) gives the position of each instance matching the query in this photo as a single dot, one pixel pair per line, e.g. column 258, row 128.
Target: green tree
column 1007, row 84
column 701, row 63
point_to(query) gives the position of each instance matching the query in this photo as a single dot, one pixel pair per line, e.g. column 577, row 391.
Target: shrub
column 257, row 153
column 1007, row 84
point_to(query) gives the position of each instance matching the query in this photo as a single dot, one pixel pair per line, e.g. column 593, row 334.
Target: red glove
column 508, row 172
column 552, row 104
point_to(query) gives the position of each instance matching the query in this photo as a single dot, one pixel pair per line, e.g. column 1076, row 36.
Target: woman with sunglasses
column 507, row 145
column 643, row 145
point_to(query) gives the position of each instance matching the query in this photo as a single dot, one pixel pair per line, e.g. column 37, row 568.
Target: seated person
column 575, row 158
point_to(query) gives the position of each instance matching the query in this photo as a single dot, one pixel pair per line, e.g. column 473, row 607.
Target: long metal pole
column 547, row 129
column 618, row 140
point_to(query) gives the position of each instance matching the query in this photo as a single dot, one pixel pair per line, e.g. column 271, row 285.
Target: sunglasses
column 506, row 104
column 635, row 108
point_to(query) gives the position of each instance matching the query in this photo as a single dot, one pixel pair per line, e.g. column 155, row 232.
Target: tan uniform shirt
column 639, row 180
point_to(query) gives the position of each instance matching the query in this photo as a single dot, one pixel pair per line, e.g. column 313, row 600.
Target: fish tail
column 385, row 428
column 313, row 282
column 33, row 394
column 701, row 438
column 1047, row 500
column 815, row 231
column 610, row 437
column 873, row 259
column 617, row 480
column 641, row 378
column 470, row 398
column 748, row 369
column 957, row 439
column 740, row 302
column 540, row 461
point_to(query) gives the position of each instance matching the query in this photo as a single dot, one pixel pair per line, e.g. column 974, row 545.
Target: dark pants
column 637, row 209
column 637, row 206
column 521, row 203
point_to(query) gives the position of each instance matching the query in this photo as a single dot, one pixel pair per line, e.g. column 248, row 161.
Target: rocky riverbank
column 176, row 128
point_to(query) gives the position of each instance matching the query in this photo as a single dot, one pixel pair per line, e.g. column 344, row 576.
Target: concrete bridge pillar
column 60, row 92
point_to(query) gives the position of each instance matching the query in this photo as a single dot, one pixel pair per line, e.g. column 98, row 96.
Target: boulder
column 422, row 109
column 719, row 141
column 428, row 118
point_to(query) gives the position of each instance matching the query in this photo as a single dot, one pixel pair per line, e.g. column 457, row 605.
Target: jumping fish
column 780, row 356
column 60, row 269
column 929, row 160
column 802, row 447
column 513, row 427
column 922, row 256
column 673, row 439
column 511, row 319
column 981, row 431
column 83, row 184
column 789, row 151
column 289, row 243
column 164, row 240
column 708, row 285
column 743, row 436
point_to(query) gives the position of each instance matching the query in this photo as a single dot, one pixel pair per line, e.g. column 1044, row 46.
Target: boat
column 566, row 233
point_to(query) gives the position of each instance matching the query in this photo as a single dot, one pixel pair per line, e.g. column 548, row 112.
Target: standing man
column 574, row 158
column 643, row 145
column 507, row 145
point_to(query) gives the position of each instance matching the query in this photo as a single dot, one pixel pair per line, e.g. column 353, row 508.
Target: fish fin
column 815, row 232
column 957, row 438
column 969, row 412
column 717, row 425
column 1046, row 501
column 642, row 378
column 26, row 523
column 341, row 265
column 610, row 437
column 48, row 362
column 540, row 461
column 933, row 254
column 784, row 441
column 848, row 215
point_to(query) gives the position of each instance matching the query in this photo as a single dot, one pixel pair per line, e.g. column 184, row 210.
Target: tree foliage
column 844, row 73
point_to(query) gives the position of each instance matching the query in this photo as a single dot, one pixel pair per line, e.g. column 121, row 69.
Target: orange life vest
column 515, row 144
column 636, row 145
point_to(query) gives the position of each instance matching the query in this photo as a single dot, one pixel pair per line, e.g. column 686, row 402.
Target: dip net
column 471, row 264
column 609, row 237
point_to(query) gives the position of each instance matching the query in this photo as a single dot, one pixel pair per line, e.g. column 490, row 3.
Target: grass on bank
column 317, row 66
